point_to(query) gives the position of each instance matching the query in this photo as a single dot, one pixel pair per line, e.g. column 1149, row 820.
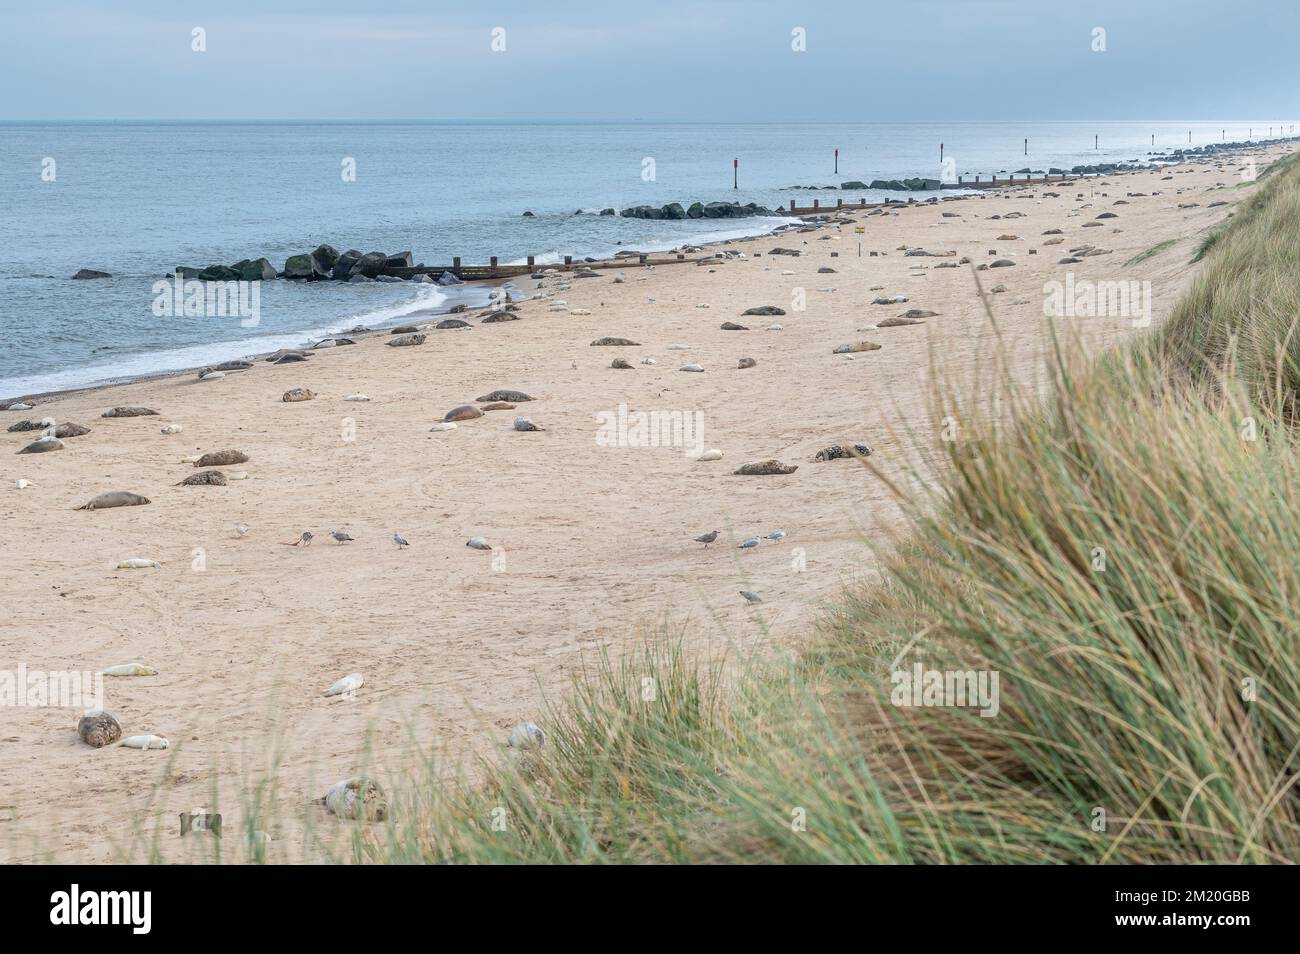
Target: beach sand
column 592, row 545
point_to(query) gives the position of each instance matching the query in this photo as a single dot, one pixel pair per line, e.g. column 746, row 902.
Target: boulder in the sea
column 254, row 270
column 304, row 268
column 87, row 273
column 344, row 264
column 327, row 256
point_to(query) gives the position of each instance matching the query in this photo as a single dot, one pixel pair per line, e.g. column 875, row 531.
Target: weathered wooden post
column 839, row 203
column 493, row 262
column 530, row 261
column 792, row 205
column 568, row 260
column 455, row 266
column 817, row 203
column 643, row 258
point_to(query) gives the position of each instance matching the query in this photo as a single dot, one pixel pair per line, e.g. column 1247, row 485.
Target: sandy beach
column 592, row 544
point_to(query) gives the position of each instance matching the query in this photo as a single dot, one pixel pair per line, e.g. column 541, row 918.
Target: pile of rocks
column 324, row 263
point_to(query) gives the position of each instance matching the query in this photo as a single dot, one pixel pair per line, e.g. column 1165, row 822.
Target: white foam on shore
column 131, row 366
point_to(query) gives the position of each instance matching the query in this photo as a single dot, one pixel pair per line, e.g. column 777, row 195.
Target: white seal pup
column 137, row 563
column 348, row 684
column 145, row 742
column 526, row 735
column 130, row 669
column 358, row 797
column 477, row 543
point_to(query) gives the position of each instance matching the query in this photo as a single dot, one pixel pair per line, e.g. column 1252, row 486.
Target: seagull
column 752, row 597
column 751, row 542
column 400, row 540
column 241, row 529
column 340, row 536
column 707, row 538
column 776, row 535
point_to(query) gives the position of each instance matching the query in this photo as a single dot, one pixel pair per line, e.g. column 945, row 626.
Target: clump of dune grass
column 1151, row 252
column 1122, row 556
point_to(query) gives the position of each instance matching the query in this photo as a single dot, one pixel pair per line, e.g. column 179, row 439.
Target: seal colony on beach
column 571, row 519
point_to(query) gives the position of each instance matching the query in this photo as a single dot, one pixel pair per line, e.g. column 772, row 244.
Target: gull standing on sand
column 707, row 538
column 752, row 597
column 776, row 535
column 241, row 529
column 751, row 542
column 400, row 541
column 340, row 536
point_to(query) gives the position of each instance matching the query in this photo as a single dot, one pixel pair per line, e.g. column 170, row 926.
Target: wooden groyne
column 493, row 270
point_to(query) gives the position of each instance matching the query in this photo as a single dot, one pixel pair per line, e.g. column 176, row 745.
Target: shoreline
column 789, row 222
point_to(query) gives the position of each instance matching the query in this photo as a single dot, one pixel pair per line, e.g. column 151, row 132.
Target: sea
column 136, row 199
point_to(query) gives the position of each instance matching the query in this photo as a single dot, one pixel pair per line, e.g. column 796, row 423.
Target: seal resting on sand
column 129, row 412
column 452, row 323
column 145, row 742
column 465, row 412
column 222, row 458
column 624, row 342
column 494, row 317
column 732, row 326
column 42, row 445
column 69, row 429
column 620, row 364
column 358, row 797
column 98, row 728
column 298, row 394
column 28, row 426
column 765, row 467
column 497, row 406
column 856, row 346
column 746, row 363
column 284, row 355
column 403, row 341
column 524, row 424
column 214, row 478
column 115, row 498
column 840, row 452
column 504, row 394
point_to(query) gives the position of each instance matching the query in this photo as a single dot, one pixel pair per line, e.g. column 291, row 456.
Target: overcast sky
column 702, row 60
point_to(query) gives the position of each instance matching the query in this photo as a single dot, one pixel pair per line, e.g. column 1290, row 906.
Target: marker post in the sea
column 1026, row 147
column 1095, row 140
column 837, row 162
column 735, row 173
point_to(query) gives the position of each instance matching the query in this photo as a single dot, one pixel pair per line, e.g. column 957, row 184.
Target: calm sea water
column 137, row 199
